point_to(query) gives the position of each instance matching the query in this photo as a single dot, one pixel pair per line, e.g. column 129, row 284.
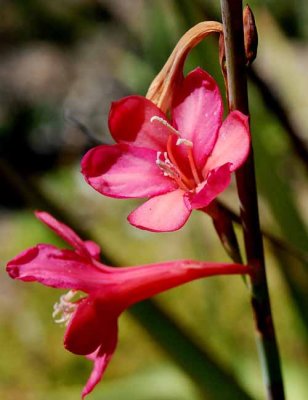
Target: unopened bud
column 250, row 35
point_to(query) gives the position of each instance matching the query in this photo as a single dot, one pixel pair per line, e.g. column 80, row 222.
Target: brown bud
column 250, row 35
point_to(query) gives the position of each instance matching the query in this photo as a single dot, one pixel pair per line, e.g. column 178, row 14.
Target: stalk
column 247, row 192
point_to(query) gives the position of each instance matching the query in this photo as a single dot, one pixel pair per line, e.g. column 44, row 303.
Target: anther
column 165, row 123
column 184, row 141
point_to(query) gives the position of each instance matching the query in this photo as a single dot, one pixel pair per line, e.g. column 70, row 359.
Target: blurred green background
column 62, row 63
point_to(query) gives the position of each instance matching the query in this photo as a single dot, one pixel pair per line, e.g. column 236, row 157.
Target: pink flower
column 180, row 165
column 92, row 320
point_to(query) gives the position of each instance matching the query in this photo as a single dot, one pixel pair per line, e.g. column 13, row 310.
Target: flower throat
column 170, row 166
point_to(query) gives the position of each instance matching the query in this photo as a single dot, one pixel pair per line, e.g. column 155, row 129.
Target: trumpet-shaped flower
column 92, row 319
column 181, row 164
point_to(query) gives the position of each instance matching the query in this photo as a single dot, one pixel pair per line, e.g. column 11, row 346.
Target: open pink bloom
column 180, row 165
column 92, row 320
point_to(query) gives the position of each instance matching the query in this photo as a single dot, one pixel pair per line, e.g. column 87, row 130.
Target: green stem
column 246, row 186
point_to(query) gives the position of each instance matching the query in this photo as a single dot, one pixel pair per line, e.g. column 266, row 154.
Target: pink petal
column 130, row 122
column 65, row 232
column 164, row 213
column 217, row 181
column 93, row 324
column 124, row 171
column 101, row 360
column 233, row 143
column 56, row 268
column 84, row 332
column 197, row 112
column 93, row 331
column 93, row 249
column 142, row 282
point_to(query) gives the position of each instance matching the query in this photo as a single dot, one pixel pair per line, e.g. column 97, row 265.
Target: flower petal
column 164, row 213
column 101, row 360
column 125, row 171
column 233, row 142
column 56, row 268
column 144, row 281
column 197, row 112
column 84, row 331
column 130, row 122
column 91, row 325
column 93, row 331
column 65, row 232
column 217, row 181
column 93, row 249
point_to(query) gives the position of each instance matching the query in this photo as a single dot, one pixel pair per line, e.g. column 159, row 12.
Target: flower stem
column 246, row 186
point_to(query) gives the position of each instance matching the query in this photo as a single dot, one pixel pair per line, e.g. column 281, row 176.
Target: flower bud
column 250, row 35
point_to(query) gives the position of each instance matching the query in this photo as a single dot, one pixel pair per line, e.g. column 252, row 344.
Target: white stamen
column 180, row 140
column 62, row 311
column 158, row 157
column 166, row 123
column 166, row 166
column 184, row 141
